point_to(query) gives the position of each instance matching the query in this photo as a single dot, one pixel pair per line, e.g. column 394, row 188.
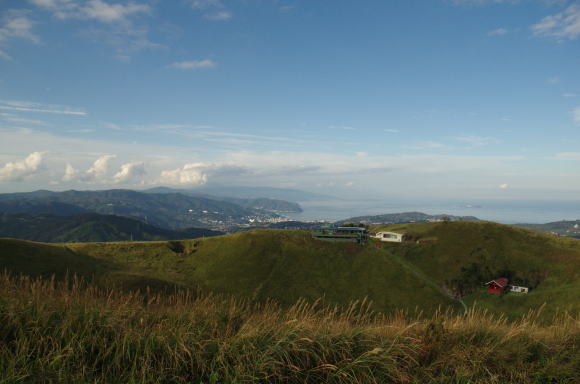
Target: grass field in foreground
column 70, row 332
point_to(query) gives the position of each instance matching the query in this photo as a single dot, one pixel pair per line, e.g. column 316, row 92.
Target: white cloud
column 199, row 173
column 118, row 18
column 219, row 16
column 477, row 141
column 568, row 95
column 213, row 10
column 109, row 13
column 70, row 173
column 563, row 25
column 15, row 25
column 20, row 120
column 98, row 171
column 189, row 174
column 130, row 171
column 498, row 32
column 504, row 186
column 92, row 9
column 204, row 4
column 82, row 130
column 576, row 115
column 427, row 145
column 343, row 127
column 194, row 64
column 18, row 170
column 28, row 106
column 553, row 80
column 391, row 130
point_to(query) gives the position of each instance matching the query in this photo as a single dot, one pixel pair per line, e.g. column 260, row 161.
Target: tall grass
column 74, row 332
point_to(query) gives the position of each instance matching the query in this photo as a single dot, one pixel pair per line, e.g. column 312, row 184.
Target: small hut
column 389, row 236
column 497, row 286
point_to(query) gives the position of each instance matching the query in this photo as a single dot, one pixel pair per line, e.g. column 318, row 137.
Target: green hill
column 89, row 227
column 288, row 264
column 462, row 256
column 257, row 265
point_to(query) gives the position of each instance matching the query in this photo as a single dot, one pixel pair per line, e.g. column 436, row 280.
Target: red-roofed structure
column 497, row 286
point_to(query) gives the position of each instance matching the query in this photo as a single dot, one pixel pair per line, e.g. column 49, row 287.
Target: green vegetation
column 462, row 256
column 451, row 260
column 77, row 333
column 259, row 265
column 278, row 306
column 89, row 227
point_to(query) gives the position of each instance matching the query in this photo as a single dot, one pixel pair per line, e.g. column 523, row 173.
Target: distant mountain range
column 260, row 203
column 89, row 227
column 405, row 217
column 167, row 210
column 288, row 194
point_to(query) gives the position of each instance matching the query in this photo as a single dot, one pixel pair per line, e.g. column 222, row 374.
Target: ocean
column 501, row 211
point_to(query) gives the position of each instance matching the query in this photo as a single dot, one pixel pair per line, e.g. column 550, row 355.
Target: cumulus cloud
column 18, row 170
column 70, row 173
column 504, row 186
column 199, row 173
column 563, row 25
column 194, row 64
column 129, row 171
column 190, row 174
column 99, row 169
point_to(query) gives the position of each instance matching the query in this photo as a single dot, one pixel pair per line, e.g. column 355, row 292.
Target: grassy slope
column 63, row 333
column 553, row 263
column 285, row 265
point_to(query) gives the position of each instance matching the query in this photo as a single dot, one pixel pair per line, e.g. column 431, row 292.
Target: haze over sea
column 502, row 211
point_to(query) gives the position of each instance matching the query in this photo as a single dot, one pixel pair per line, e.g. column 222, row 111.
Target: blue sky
column 455, row 98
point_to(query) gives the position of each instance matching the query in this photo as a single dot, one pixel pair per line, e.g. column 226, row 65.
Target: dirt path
column 420, row 275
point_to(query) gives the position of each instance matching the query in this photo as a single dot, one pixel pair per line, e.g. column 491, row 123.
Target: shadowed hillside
column 89, row 227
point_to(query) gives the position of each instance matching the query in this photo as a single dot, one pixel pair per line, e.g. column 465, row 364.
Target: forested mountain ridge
column 89, row 227
column 164, row 210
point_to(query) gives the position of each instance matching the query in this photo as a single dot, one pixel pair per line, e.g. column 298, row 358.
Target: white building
column 515, row 288
column 389, row 236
